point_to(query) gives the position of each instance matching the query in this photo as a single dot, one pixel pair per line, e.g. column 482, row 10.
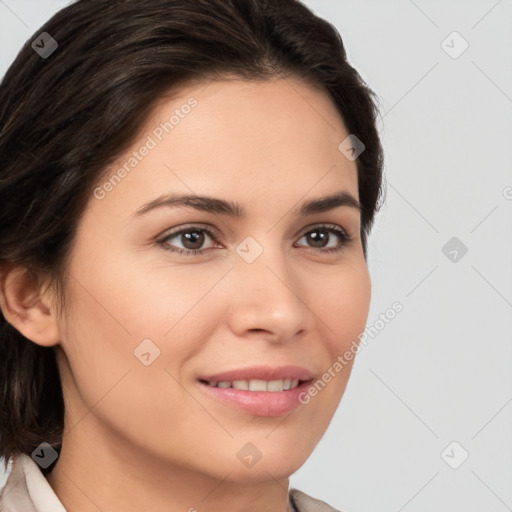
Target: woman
column 187, row 187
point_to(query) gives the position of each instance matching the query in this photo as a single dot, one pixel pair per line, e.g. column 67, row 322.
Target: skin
column 146, row 437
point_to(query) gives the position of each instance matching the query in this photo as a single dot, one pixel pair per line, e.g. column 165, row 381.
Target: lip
column 261, row 372
column 259, row 403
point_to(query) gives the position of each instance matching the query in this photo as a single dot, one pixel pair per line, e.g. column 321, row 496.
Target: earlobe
column 24, row 307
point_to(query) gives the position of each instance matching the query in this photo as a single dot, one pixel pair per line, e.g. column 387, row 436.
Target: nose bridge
column 268, row 291
column 264, row 262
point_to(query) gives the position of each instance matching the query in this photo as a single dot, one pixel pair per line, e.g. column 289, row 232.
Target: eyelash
column 331, row 228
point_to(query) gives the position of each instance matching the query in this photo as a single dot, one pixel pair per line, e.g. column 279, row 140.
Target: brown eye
column 191, row 239
column 320, row 238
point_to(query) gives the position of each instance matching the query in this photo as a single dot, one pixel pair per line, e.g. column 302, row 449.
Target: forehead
column 237, row 138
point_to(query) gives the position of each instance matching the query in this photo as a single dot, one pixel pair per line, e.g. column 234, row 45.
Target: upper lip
column 261, row 373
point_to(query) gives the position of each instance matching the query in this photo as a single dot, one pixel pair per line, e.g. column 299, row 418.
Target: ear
column 26, row 308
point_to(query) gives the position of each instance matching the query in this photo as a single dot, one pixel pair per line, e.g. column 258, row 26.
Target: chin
column 272, row 465
column 261, row 472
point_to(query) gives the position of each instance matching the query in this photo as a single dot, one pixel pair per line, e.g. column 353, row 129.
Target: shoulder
column 27, row 489
column 305, row 503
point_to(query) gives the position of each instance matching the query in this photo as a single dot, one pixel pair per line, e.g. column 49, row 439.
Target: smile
column 256, row 384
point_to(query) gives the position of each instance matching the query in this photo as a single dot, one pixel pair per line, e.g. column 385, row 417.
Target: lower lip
column 259, row 403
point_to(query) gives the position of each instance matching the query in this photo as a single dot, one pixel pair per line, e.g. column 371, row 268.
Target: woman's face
column 162, row 298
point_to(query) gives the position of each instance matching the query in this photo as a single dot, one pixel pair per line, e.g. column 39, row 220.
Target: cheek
column 342, row 305
column 109, row 320
column 146, row 296
column 121, row 308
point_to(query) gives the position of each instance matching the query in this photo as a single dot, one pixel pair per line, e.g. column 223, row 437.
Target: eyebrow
column 232, row 209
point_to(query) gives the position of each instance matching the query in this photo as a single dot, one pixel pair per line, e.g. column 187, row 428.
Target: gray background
column 440, row 371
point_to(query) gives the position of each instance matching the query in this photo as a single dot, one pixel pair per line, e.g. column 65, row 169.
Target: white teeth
column 275, row 385
column 241, row 384
column 257, row 384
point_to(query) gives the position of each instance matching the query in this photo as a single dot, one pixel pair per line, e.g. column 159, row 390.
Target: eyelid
column 214, row 231
column 315, row 225
column 208, row 228
column 340, row 231
column 215, row 235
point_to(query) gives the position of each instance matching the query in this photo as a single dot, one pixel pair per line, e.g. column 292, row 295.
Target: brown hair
column 66, row 117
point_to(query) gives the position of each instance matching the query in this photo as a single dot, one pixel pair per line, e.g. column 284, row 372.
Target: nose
column 267, row 300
